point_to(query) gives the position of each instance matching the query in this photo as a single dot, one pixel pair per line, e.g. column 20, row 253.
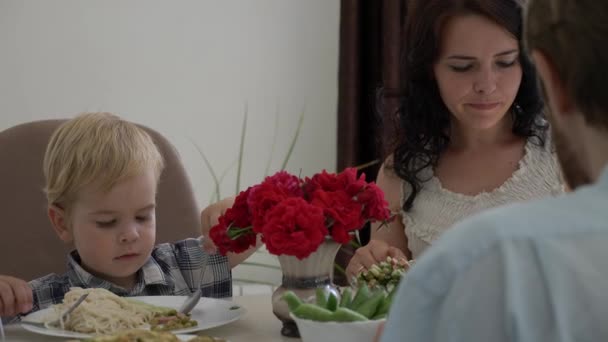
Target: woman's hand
column 372, row 253
column 15, row 296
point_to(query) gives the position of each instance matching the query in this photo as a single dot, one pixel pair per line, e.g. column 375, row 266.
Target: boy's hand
column 209, row 218
column 15, row 296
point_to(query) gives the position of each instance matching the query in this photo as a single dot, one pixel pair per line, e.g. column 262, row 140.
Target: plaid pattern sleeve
column 46, row 291
column 172, row 269
column 197, row 269
column 49, row 290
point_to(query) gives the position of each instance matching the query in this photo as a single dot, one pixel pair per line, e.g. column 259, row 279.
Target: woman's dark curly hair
column 423, row 120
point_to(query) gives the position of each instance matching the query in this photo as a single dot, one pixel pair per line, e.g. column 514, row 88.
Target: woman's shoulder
column 541, row 162
column 390, row 183
column 542, row 150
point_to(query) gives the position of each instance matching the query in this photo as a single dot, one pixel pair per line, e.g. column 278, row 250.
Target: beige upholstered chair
column 29, row 247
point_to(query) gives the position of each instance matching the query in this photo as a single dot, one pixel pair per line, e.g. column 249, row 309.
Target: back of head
column 96, row 148
column 573, row 34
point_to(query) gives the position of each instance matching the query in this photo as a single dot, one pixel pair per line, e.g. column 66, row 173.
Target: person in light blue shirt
column 535, row 271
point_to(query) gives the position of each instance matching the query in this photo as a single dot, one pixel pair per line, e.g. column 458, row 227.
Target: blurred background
column 185, row 68
column 190, row 69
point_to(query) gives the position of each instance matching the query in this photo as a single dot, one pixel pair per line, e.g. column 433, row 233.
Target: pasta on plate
column 149, row 336
column 103, row 312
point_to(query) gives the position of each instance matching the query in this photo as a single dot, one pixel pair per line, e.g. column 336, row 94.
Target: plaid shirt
column 172, row 269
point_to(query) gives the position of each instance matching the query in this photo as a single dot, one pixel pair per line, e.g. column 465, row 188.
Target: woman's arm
column 392, row 233
column 387, row 240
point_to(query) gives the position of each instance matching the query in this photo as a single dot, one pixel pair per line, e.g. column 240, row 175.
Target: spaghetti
column 149, row 336
column 103, row 312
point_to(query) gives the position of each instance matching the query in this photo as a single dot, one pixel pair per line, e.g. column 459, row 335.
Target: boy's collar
column 150, row 274
column 153, row 274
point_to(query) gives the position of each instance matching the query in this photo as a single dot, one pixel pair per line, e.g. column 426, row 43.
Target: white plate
column 209, row 313
column 183, row 337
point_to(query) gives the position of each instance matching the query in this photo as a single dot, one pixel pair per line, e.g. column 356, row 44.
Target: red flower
column 268, row 194
column 294, row 227
column 352, row 184
column 375, row 206
column 287, row 182
column 343, row 212
column 226, row 243
column 294, row 217
column 263, row 198
column 239, row 213
column 236, row 217
column 324, row 181
column 345, row 181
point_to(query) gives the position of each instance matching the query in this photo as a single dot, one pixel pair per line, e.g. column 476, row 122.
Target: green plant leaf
column 210, row 168
column 274, row 141
column 339, row 268
column 294, row 140
column 216, row 193
column 366, row 165
column 241, row 151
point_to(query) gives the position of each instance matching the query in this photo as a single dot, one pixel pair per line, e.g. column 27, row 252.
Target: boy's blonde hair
column 98, row 148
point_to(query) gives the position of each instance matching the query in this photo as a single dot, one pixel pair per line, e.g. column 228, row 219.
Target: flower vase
column 303, row 277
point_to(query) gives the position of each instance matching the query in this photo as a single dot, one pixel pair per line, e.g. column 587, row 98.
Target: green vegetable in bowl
column 366, row 304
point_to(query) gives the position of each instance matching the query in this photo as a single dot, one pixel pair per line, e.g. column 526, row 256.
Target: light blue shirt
column 534, row 271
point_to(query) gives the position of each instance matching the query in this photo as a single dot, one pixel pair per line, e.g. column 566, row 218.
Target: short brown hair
column 98, row 148
column 573, row 34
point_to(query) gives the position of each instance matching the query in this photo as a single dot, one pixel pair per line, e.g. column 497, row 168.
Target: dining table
column 257, row 324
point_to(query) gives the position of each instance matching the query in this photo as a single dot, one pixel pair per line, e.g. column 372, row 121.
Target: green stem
column 216, row 181
column 241, row 150
column 235, row 233
column 339, row 269
column 294, row 140
column 274, row 141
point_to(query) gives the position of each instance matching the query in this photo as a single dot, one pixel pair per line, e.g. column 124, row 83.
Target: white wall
column 185, row 68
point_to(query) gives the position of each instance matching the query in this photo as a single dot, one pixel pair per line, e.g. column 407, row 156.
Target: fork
column 62, row 317
column 191, row 301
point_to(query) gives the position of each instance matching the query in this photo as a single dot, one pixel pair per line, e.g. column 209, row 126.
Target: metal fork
column 191, row 302
column 62, row 317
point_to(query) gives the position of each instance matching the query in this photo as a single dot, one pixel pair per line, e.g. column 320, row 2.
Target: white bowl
column 313, row 331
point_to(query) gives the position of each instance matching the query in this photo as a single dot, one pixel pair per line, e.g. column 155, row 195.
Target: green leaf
column 274, row 142
column 241, row 150
column 339, row 268
column 294, row 140
column 210, row 168
column 216, row 193
column 366, row 165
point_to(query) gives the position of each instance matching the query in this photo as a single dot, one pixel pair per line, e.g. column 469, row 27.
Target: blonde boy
column 101, row 179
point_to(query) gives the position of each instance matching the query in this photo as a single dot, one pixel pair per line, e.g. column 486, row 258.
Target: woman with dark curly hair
column 471, row 134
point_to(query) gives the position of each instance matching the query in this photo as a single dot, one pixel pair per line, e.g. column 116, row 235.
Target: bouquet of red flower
column 294, row 215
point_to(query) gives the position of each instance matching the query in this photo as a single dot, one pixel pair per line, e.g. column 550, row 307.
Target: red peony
column 263, row 198
column 239, row 213
column 324, row 181
column 220, row 234
column 342, row 210
column 287, row 182
column 345, row 181
column 294, row 227
column 294, row 216
column 374, row 205
column 352, row 184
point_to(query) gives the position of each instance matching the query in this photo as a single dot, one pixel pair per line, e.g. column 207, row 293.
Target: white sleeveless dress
column 435, row 209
